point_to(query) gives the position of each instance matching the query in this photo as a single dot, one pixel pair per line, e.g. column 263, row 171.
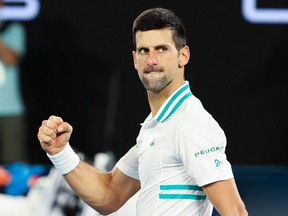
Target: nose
column 152, row 60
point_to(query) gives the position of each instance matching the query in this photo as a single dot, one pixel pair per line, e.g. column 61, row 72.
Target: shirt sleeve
column 201, row 148
column 128, row 164
column 15, row 38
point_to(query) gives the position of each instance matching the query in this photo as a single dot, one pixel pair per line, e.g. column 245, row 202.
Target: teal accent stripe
column 182, row 196
column 171, row 101
column 178, row 104
column 180, row 187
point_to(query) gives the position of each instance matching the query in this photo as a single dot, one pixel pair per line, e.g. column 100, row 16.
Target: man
column 179, row 164
column 12, row 108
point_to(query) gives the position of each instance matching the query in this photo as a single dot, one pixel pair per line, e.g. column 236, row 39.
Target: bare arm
column 105, row 192
column 8, row 56
column 225, row 198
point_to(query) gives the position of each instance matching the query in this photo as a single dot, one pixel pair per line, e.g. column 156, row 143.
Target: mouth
column 153, row 69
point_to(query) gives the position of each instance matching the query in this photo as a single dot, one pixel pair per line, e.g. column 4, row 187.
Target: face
column 159, row 64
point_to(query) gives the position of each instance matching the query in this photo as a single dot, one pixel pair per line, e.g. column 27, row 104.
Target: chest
column 158, row 156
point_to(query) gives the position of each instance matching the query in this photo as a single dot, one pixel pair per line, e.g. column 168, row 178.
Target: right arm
column 105, row 192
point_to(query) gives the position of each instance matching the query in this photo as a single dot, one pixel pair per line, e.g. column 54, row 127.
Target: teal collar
column 173, row 102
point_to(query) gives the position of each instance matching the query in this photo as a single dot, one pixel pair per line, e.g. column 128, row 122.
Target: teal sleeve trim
column 184, row 188
column 180, row 187
column 182, row 196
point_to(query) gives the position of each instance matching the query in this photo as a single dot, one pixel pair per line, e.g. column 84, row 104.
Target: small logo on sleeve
column 217, row 162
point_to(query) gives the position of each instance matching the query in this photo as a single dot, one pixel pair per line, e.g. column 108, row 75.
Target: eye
column 143, row 50
column 162, row 49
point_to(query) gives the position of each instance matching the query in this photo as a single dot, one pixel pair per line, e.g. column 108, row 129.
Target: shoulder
column 14, row 32
column 193, row 120
column 193, row 114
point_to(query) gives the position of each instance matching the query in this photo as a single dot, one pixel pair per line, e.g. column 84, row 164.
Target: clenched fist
column 54, row 134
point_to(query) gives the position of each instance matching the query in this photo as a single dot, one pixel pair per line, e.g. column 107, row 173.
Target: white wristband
column 66, row 160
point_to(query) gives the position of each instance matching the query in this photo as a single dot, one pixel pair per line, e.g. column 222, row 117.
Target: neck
column 156, row 99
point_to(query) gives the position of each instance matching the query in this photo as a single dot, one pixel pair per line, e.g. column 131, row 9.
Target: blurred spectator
column 12, row 108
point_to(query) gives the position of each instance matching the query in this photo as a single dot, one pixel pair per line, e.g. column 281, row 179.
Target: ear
column 184, row 56
column 134, row 59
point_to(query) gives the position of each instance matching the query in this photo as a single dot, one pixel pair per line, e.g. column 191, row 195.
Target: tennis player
column 178, row 163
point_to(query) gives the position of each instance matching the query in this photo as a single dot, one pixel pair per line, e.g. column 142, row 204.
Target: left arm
column 225, row 197
column 8, row 55
column 12, row 43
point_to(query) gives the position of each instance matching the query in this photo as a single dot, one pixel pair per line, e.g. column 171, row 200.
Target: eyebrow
column 155, row 47
column 161, row 46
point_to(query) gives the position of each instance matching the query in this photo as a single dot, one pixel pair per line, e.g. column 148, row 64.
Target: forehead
column 153, row 38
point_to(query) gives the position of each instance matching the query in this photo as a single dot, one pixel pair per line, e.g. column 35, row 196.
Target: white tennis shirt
column 178, row 151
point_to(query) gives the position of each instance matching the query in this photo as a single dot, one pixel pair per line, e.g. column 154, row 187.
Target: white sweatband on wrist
column 66, row 160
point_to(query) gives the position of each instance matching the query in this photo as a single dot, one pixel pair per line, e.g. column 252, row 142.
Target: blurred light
column 19, row 9
column 263, row 15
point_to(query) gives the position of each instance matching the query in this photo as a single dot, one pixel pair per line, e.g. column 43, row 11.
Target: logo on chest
column 149, row 142
column 152, row 143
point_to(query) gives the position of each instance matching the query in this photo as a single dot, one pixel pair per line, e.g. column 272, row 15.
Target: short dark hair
column 161, row 18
